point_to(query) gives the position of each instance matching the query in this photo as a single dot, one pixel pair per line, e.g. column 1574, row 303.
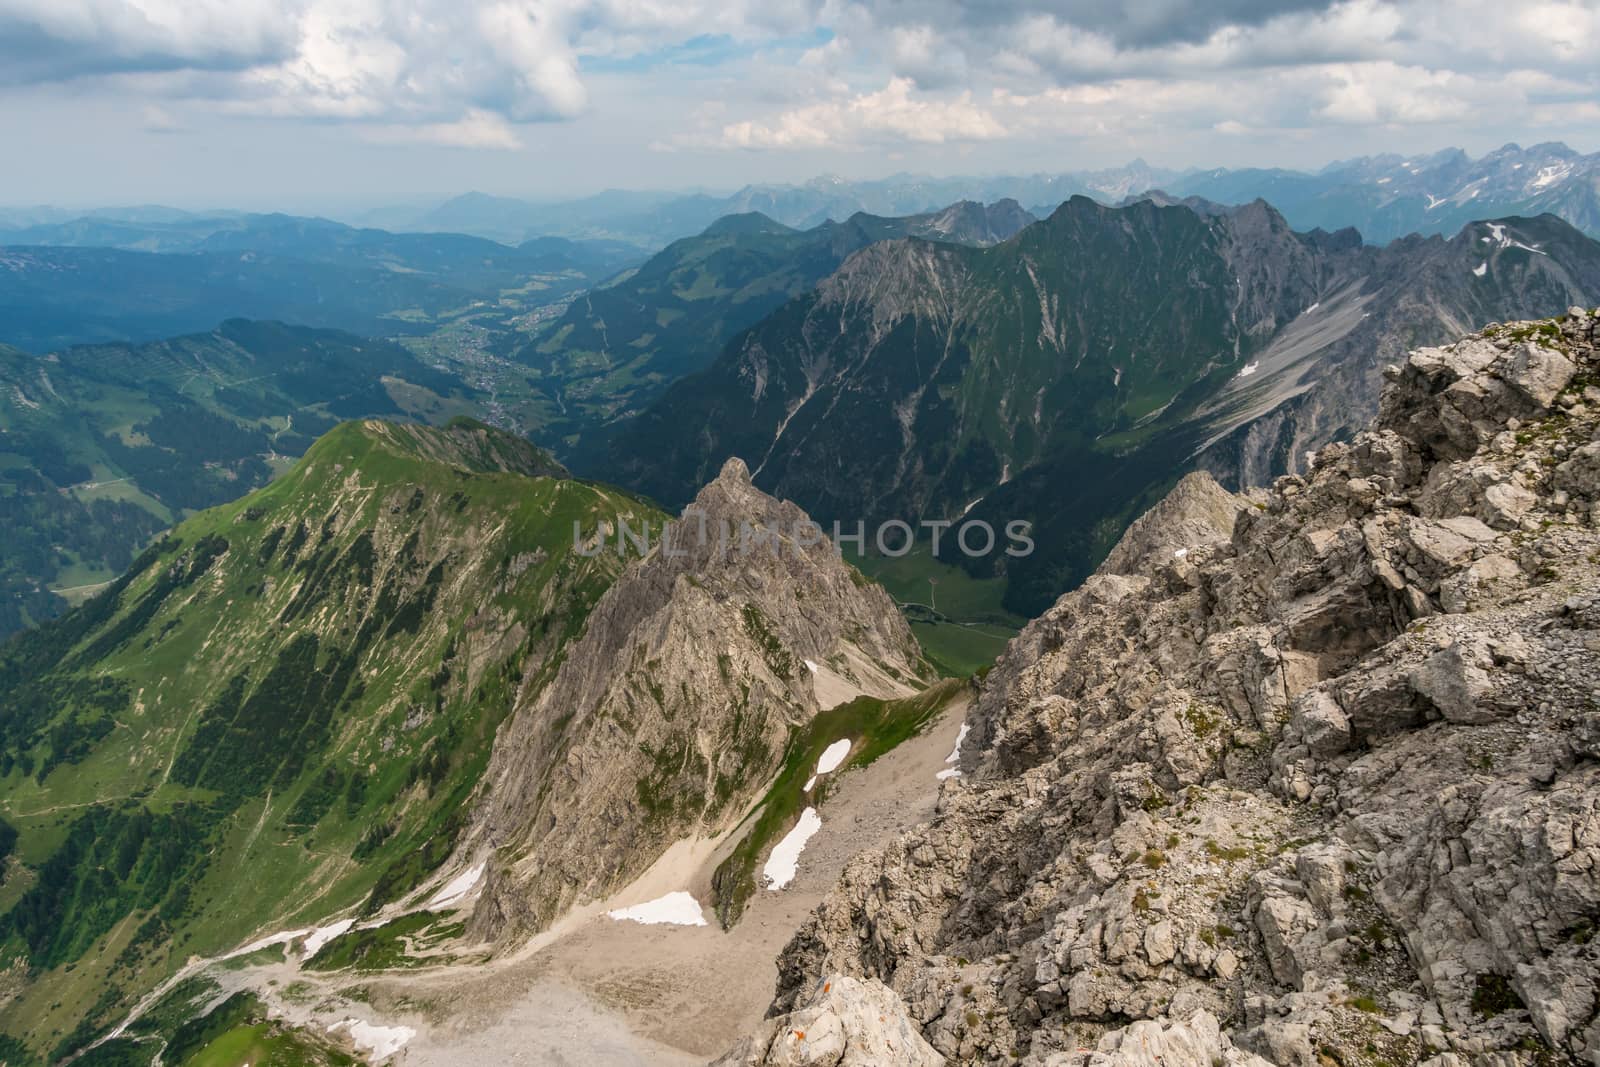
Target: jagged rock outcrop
column 1197, row 512
column 675, row 705
column 1333, row 781
column 845, row 1022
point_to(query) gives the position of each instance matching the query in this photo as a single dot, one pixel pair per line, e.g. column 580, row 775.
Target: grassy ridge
column 875, row 726
column 279, row 712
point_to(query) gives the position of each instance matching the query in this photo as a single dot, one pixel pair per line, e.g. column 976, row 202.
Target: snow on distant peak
column 1548, row 176
column 1481, row 269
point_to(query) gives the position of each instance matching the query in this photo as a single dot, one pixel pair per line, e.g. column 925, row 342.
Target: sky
column 290, row 104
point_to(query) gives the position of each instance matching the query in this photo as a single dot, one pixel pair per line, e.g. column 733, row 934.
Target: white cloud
column 893, row 113
column 825, row 74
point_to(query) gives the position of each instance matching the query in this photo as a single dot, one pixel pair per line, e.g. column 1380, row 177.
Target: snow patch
column 322, row 935
column 955, row 755
column 674, row 909
column 781, row 866
column 379, row 1042
column 1180, row 553
column 833, row 755
column 809, row 783
column 1248, row 369
column 456, row 888
column 282, row 938
column 1550, row 175
column 1481, row 269
column 811, row 666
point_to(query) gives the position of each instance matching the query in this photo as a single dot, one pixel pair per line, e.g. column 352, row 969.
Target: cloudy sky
column 290, row 103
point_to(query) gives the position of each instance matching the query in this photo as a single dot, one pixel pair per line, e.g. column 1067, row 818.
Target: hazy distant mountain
column 467, row 259
column 1386, row 197
column 654, row 219
column 92, row 279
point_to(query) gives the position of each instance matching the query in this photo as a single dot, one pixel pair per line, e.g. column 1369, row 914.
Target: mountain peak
column 735, row 471
column 465, row 444
column 746, row 222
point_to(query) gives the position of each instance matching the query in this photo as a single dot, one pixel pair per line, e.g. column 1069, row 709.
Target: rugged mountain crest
column 617, row 347
column 1198, row 511
column 672, row 711
column 1319, row 379
column 1333, row 781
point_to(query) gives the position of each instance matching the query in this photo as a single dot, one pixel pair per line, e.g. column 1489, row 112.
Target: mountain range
column 415, row 645
column 1068, row 376
column 396, row 754
column 1385, row 197
column 618, row 346
column 343, row 723
column 92, row 280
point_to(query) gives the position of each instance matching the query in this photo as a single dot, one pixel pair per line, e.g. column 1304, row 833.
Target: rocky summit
column 1316, row 785
column 674, row 709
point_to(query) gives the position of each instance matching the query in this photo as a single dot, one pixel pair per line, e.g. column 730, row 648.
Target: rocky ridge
column 1323, row 790
column 674, row 708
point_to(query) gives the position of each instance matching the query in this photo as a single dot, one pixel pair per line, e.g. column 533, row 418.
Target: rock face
column 676, row 703
column 1197, row 512
column 845, row 1022
column 1325, row 791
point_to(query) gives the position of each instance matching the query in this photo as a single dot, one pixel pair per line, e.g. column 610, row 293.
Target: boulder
column 1539, row 373
column 1456, row 681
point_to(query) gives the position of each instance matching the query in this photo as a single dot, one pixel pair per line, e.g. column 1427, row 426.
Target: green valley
column 101, row 446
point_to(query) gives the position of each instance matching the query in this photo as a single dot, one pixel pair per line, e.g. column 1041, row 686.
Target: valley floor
column 598, row 991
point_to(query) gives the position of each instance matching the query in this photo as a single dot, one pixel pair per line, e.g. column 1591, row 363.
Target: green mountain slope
column 278, row 711
column 102, row 446
column 616, row 348
column 1069, row 376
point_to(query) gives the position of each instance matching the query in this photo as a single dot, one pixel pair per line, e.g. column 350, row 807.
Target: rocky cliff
column 1322, row 790
column 673, row 710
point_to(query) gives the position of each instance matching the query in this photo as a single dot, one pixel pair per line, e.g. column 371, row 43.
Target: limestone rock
column 1332, row 779
column 599, row 769
column 845, row 1022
